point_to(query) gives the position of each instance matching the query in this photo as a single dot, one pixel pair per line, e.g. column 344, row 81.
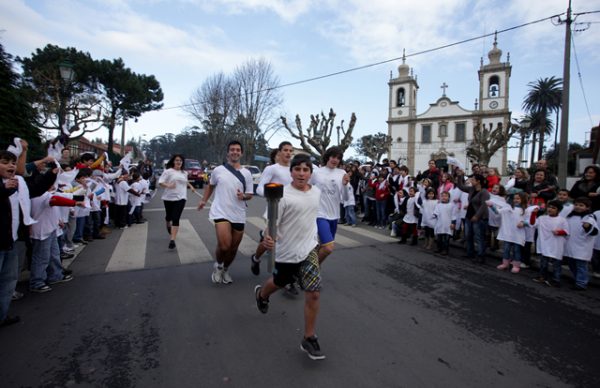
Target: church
column 445, row 129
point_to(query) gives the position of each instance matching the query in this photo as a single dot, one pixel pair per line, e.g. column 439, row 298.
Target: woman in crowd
column 588, row 186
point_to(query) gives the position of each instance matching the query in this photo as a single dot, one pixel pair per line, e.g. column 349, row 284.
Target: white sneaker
column 217, row 275
column 226, row 277
column 393, row 233
column 68, row 249
column 596, row 275
column 524, row 266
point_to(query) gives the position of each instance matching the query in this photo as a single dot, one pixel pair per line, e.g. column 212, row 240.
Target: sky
column 183, row 42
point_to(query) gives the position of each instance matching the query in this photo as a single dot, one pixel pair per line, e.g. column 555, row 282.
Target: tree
column 373, row 146
column 488, row 140
column 125, row 94
column 317, row 138
column 543, row 98
column 18, row 116
column 60, row 105
column 241, row 105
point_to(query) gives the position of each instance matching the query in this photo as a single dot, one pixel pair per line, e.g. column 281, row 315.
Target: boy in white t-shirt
column 583, row 230
column 296, row 250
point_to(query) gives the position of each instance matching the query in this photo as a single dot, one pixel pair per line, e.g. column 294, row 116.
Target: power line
column 427, row 51
column 581, row 81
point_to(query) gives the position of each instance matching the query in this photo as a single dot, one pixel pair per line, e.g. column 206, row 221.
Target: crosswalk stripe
column 190, row 247
column 369, row 233
column 130, row 252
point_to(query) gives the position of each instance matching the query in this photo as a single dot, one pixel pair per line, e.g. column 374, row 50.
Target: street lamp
column 67, row 74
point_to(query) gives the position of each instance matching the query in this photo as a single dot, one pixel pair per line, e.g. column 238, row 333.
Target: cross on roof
column 444, row 86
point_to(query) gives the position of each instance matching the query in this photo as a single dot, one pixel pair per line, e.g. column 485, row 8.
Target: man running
column 331, row 181
column 296, row 250
column 233, row 186
column 278, row 172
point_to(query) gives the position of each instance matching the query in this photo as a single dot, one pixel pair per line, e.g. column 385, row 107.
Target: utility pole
column 564, row 122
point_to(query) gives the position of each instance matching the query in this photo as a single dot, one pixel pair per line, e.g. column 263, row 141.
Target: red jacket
column 382, row 190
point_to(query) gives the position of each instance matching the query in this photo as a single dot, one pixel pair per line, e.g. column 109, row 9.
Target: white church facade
column 445, row 128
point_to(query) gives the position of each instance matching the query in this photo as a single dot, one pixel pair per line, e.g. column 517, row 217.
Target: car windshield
column 192, row 164
column 253, row 170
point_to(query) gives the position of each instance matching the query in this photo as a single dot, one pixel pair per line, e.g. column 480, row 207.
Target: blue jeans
column 556, row 265
column 9, row 273
column 475, row 233
column 579, row 268
column 516, row 251
column 45, row 261
column 381, row 213
column 350, row 215
column 79, row 228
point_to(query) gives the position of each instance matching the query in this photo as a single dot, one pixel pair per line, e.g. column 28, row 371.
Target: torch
column 273, row 193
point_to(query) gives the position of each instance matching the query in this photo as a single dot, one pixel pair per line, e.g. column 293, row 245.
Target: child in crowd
column 553, row 230
column 81, row 188
column 135, row 201
column 567, row 206
column 349, row 204
column 529, row 238
column 583, row 230
column 428, row 219
column 498, row 198
column 382, row 192
column 411, row 217
column 493, row 178
column 460, row 201
column 512, row 232
column 445, row 222
column 46, row 268
column 596, row 253
column 122, row 191
column 399, row 212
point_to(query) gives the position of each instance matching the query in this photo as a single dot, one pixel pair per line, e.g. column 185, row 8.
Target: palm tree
column 543, row 98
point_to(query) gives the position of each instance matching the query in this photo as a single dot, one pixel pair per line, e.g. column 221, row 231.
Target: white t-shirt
column 181, row 180
column 510, row 218
column 580, row 244
column 225, row 201
column 46, row 216
column 121, row 193
column 275, row 173
column 444, row 215
column 548, row 244
column 329, row 181
column 296, row 224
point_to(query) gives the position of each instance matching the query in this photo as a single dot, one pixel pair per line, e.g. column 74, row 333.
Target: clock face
column 493, row 104
column 399, row 111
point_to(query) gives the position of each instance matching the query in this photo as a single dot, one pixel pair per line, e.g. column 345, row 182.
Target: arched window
column 494, row 87
column 400, row 97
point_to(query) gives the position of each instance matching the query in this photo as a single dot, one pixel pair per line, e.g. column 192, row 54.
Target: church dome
column 495, row 53
column 403, row 70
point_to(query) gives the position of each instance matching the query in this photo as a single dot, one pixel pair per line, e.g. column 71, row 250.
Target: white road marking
column 190, row 247
column 130, row 252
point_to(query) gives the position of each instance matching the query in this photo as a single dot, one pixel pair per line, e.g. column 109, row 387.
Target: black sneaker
column 554, row 283
column 171, row 244
column 311, row 347
column 10, row 321
column 64, row 279
column 262, row 304
column 41, row 289
column 66, row 256
column 254, row 265
column 67, row 271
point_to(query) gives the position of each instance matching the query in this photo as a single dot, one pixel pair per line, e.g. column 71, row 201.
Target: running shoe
column 262, row 304
column 255, row 265
column 226, row 278
column 311, row 346
column 217, row 275
column 64, row 279
column 172, row 244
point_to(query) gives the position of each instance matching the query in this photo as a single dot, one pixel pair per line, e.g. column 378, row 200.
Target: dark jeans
column 96, row 218
column 475, row 234
column 443, row 242
column 556, row 266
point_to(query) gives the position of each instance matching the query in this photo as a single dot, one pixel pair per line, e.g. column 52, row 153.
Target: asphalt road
column 391, row 316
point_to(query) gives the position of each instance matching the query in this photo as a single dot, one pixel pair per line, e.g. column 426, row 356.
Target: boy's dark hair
column 583, row 200
column 84, row 173
column 235, row 142
column 562, row 190
column 87, row 156
column 7, row 155
column 135, row 176
column 555, row 203
column 481, row 179
column 404, row 168
column 299, row 159
column 171, row 161
column 334, row 151
column 431, row 190
column 283, row 144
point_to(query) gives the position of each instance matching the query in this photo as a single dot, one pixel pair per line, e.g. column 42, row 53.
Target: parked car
column 256, row 173
column 195, row 172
